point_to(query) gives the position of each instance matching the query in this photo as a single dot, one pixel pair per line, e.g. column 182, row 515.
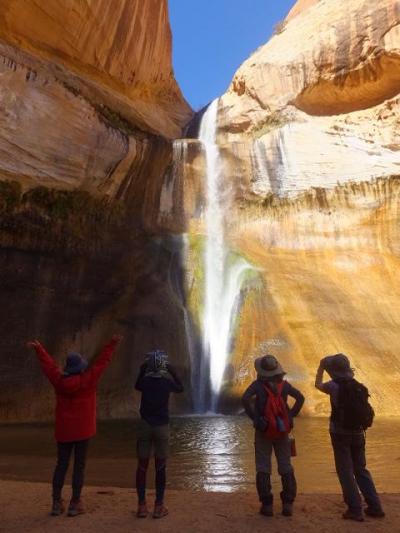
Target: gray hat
column 338, row 366
column 268, row 366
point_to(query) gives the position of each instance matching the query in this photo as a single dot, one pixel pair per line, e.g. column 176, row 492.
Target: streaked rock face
column 309, row 135
column 119, row 52
column 83, row 90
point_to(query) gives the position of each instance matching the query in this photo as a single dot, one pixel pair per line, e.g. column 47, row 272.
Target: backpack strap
column 279, row 387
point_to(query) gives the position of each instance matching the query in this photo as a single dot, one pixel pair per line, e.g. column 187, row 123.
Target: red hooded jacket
column 76, row 395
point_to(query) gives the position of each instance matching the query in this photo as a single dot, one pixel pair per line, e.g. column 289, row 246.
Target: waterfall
column 224, row 273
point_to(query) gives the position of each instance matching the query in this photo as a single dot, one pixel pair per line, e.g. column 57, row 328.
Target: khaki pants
column 263, row 451
column 152, row 437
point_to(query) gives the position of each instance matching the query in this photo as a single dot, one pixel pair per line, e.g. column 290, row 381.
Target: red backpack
column 276, row 414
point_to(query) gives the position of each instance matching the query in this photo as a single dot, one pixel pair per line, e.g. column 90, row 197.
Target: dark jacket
column 154, row 408
column 255, row 410
column 76, row 395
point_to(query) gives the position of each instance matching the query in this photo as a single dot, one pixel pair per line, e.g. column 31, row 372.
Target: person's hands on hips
column 260, row 423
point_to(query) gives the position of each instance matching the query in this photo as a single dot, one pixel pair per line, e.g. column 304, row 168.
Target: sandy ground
column 24, row 508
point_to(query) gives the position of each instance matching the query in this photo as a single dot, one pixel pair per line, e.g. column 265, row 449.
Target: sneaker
column 58, row 508
column 142, row 511
column 160, row 510
column 267, row 509
column 353, row 515
column 75, row 508
column 287, row 509
column 374, row 512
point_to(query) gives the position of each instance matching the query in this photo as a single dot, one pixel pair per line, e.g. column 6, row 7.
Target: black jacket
column 256, row 410
column 155, row 395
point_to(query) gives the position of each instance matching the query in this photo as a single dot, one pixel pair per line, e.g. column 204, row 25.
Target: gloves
column 260, row 424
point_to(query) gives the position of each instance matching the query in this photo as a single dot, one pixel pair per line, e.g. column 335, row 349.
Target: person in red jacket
column 75, row 389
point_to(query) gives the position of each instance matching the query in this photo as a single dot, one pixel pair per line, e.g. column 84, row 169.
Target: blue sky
column 211, row 38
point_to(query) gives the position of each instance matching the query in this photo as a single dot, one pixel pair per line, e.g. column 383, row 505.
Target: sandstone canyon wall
column 308, row 133
column 88, row 108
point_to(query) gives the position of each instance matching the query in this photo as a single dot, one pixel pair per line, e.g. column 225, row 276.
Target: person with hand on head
column 273, row 421
column 351, row 415
column 75, row 415
column 156, row 380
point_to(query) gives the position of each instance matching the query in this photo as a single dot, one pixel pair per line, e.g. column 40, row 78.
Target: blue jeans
column 350, row 462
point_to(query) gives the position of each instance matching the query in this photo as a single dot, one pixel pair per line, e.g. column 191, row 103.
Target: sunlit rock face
column 309, row 137
column 81, row 88
column 88, row 110
column 334, row 68
column 117, row 53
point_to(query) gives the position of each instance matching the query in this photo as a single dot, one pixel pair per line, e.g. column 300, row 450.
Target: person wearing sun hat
column 75, row 417
column 272, row 420
column 348, row 440
column 75, row 364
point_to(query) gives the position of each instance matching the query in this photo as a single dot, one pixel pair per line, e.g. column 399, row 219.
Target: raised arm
column 323, row 387
column 176, row 383
column 49, row 366
column 142, row 372
column 103, row 360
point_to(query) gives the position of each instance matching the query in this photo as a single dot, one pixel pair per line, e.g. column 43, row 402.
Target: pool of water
column 207, row 453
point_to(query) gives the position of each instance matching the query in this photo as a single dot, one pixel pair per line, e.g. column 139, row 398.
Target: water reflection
column 214, row 442
column 207, row 453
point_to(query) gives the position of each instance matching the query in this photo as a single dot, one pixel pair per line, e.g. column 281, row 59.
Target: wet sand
column 25, row 506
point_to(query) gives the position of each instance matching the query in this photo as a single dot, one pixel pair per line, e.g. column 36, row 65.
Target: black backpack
column 353, row 411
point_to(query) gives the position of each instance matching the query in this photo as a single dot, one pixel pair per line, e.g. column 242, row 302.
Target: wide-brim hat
column 268, row 366
column 338, row 366
column 75, row 364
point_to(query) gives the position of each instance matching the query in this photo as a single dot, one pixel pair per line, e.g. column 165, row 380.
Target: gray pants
column 349, row 452
column 263, row 450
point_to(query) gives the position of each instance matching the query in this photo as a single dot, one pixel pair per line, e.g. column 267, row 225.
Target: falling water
column 224, row 273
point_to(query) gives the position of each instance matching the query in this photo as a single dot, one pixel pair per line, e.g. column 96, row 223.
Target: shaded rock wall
column 88, row 105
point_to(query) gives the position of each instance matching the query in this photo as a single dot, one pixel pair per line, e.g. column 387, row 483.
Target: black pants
column 349, row 452
column 64, row 450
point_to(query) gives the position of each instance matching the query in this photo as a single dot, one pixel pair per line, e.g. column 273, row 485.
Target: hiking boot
column 142, row 511
column 160, row 510
column 267, row 509
column 75, row 508
column 353, row 515
column 374, row 512
column 58, row 508
column 287, row 509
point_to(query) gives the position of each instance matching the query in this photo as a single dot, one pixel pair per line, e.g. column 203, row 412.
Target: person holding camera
column 156, row 380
